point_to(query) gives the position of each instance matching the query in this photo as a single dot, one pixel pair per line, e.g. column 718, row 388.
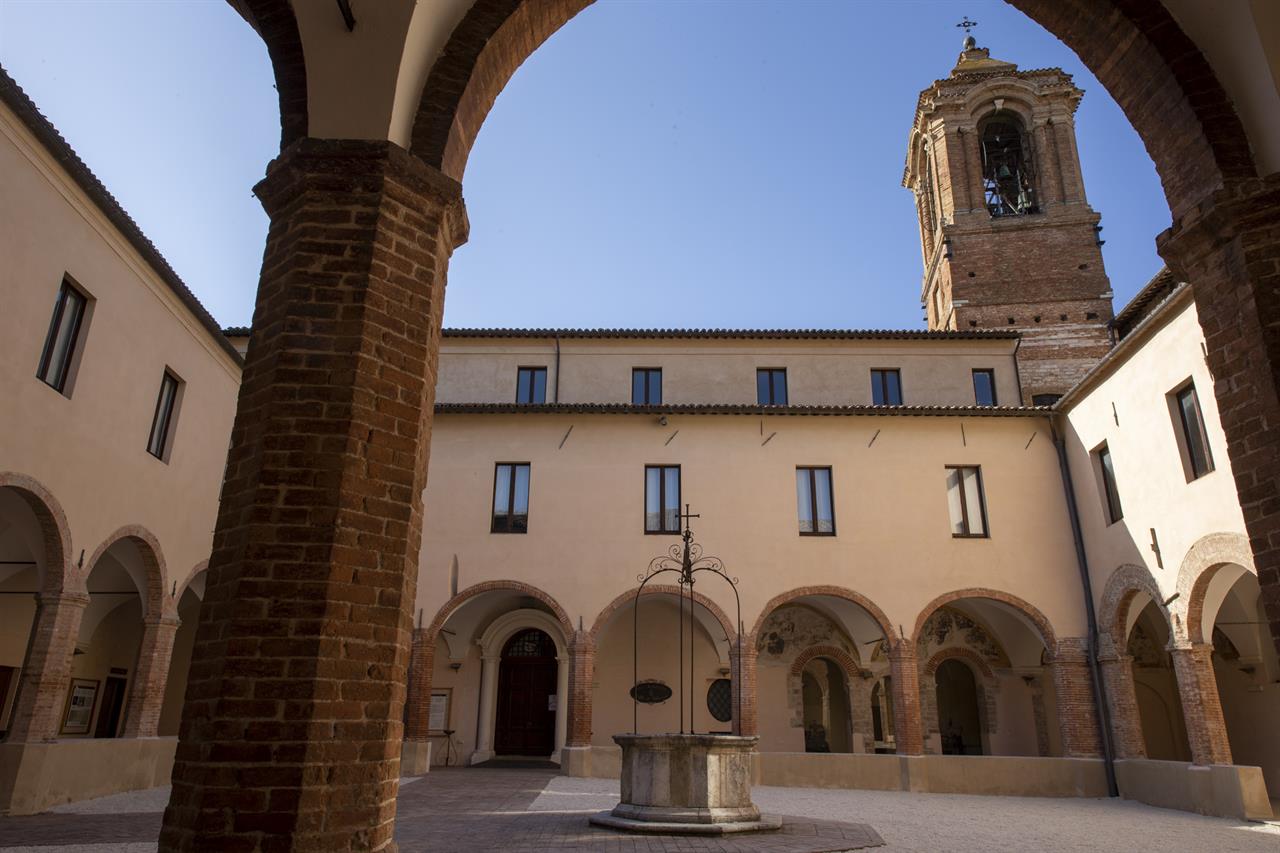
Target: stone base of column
column 575, row 761
column 480, row 756
column 415, row 757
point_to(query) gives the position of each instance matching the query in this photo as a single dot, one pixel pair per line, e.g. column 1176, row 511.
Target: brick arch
column 202, row 566
column 870, row 607
column 968, row 656
column 152, row 593
column 1205, row 558
column 661, row 589
column 451, row 606
column 275, row 23
column 848, row 663
column 1125, row 583
column 55, row 532
column 1030, row 611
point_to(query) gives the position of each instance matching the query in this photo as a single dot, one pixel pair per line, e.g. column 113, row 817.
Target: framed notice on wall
column 80, row 701
column 438, row 719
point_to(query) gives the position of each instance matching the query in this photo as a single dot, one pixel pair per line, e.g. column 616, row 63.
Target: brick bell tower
column 1009, row 239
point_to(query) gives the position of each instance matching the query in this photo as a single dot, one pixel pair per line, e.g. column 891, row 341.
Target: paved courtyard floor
column 518, row 810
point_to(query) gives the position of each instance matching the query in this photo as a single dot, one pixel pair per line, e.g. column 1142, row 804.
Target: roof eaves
column 738, row 409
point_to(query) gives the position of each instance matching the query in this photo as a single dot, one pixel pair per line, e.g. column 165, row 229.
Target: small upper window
column 813, row 502
column 64, row 333
column 1045, row 399
column 966, row 501
column 771, row 386
column 1110, row 493
column 646, row 386
column 510, row 498
column 984, row 387
column 886, row 388
column 1008, row 173
column 531, row 385
column 1197, row 457
column 662, row 499
column 162, row 420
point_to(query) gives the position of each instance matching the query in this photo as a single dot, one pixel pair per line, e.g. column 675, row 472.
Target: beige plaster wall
column 89, row 449
column 724, row 371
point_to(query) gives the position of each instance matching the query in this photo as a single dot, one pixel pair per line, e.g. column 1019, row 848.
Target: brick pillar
column 904, row 668
column 1229, row 249
column 1201, row 706
column 146, row 691
column 742, row 674
column 422, row 660
column 292, row 729
column 1077, row 713
column 46, row 672
column 582, row 673
column 1126, row 722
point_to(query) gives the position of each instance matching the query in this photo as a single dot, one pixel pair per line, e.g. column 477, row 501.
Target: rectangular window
column 966, row 501
column 1195, row 441
column 886, row 388
column 510, row 498
column 771, row 386
column 64, row 331
column 1110, row 493
column 813, row 502
column 646, row 386
column 662, row 499
column 162, row 420
column 984, row 388
column 531, row 385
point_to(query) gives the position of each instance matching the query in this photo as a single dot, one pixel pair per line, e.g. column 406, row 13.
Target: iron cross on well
column 967, row 24
column 686, row 515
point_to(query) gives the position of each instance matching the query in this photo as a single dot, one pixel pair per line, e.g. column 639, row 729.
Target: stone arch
column 151, row 589
column 1025, row 608
column 1206, row 557
column 1125, row 583
column 53, row 528
column 512, row 622
column 965, row 655
column 872, row 609
column 451, row 606
column 847, row 662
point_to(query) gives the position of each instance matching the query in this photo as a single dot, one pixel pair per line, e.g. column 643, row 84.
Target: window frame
column 813, row 499
column 880, row 373
column 964, row 509
column 990, row 373
column 1112, row 508
column 533, row 370
column 170, row 416
column 662, row 492
column 511, row 498
column 1183, row 430
column 773, row 395
column 66, row 288
column 647, row 371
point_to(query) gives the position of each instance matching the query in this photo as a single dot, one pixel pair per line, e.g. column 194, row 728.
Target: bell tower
column 1008, row 237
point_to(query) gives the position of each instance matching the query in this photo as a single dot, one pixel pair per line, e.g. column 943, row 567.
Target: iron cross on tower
column 967, row 25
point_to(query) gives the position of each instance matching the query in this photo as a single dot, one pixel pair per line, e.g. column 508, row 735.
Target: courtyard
column 519, row 810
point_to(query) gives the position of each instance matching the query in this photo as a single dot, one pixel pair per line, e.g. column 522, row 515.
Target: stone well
column 688, row 784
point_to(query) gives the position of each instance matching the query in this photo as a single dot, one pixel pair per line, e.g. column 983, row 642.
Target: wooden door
column 525, row 722
column 113, row 693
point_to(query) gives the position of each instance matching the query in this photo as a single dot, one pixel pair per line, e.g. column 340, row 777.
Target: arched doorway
column 526, row 714
column 828, row 724
column 1155, row 686
column 882, row 715
column 959, row 717
column 175, row 687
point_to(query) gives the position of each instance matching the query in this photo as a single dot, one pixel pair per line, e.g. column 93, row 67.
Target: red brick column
column 582, row 673
column 1073, row 686
column 1228, row 247
column 292, row 729
column 1201, row 706
column 146, row 691
column 417, row 709
column 742, row 675
column 904, row 668
column 46, row 672
column 1126, row 722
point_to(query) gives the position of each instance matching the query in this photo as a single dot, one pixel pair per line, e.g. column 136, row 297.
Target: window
column 1195, row 442
column 1110, row 494
column 886, row 388
column 1008, row 178
column 771, row 386
column 813, row 502
column 965, row 499
column 162, row 420
column 646, row 386
column 984, row 387
column 60, row 343
column 531, row 385
column 662, row 499
column 1045, row 399
column 510, row 498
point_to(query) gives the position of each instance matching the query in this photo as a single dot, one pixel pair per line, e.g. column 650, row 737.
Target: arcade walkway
column 532, row 810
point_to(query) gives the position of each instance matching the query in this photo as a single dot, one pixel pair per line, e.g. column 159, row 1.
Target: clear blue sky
column 658, row 163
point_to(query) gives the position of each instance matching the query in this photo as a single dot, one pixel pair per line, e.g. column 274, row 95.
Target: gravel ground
column 967, row 824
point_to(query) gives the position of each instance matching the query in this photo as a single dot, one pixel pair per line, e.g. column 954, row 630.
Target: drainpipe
column 1017, row 374
column 555, row 392
column 1082, row 561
